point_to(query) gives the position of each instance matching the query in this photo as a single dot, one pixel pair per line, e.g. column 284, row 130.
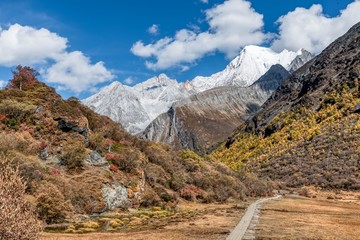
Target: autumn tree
column 23, row 77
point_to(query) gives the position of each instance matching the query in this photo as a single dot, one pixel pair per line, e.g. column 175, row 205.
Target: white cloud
column 74, row 71
column 26, row 45
column 232, row 25
column 70, row 70
column 312, row 29
column 129, row 80
column 204, row 1
column 154, row 29
column 2, row 84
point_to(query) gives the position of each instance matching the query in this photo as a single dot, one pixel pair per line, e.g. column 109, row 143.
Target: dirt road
column 250, row 217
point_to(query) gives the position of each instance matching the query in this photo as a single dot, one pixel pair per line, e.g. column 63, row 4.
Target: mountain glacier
column 136, row 107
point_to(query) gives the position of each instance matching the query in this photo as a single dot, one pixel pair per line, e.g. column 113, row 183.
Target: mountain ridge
column 156, row 95
column 202, row 120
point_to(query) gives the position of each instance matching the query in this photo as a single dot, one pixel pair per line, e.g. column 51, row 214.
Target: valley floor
column 212, row 221
column 321, row 215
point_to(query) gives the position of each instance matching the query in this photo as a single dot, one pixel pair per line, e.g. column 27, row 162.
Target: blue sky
column 80, row 46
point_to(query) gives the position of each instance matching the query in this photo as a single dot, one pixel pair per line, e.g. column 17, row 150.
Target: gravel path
column 245, row 229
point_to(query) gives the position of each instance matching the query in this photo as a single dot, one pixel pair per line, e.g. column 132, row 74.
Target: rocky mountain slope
column 207, row 118
column 78, row 163
column 308, row 132
column 136, row 107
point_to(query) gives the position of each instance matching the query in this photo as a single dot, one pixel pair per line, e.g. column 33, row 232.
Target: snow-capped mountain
column 136, row 107
column 249, row 66
column 158, row 93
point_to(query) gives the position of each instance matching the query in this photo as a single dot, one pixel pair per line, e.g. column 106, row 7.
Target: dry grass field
column 322, row 216
column 212, row 221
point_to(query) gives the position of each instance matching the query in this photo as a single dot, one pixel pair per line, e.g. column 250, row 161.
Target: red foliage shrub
column 127, row 143
column 42, row 145
column 191, row 192
column 111, row 157
column 54, row 171
column 126, row 161
column 114, row 168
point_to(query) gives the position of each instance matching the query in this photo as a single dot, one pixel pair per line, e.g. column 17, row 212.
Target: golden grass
column 315, row 218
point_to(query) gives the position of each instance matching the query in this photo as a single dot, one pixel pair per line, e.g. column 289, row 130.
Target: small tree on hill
column 23, row 77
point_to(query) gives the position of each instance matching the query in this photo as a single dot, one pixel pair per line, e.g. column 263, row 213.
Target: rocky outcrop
column 116, row 196
column 204, row 119
column 68, row 126
column 300, row 60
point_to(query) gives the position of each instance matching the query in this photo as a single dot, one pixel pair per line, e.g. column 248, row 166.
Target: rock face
column 136, row 107
column 68, row 126
column 300, row 60
column 116, row 196
column 204, row 119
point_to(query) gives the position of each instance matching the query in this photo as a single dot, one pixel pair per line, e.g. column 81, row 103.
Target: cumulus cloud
column 74, row 71
column 70, row 70
column 232, row 25
column 26, row 45
column 312, row 29
column 154, row 29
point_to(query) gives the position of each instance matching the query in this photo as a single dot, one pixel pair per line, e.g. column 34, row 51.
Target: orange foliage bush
column 17, row 220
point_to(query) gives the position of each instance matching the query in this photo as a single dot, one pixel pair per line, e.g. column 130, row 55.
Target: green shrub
column 51, row 205
column 73, row 156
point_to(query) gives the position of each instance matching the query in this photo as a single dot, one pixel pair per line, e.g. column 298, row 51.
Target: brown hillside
column 78, row 162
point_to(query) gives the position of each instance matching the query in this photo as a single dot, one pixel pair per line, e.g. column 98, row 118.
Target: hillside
column 308, row 132
column 208, row 118
column 77, row 162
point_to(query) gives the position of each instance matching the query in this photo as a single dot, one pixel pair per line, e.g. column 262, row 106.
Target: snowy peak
column 135, row 107
column 159, row 81
column 250, row 65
